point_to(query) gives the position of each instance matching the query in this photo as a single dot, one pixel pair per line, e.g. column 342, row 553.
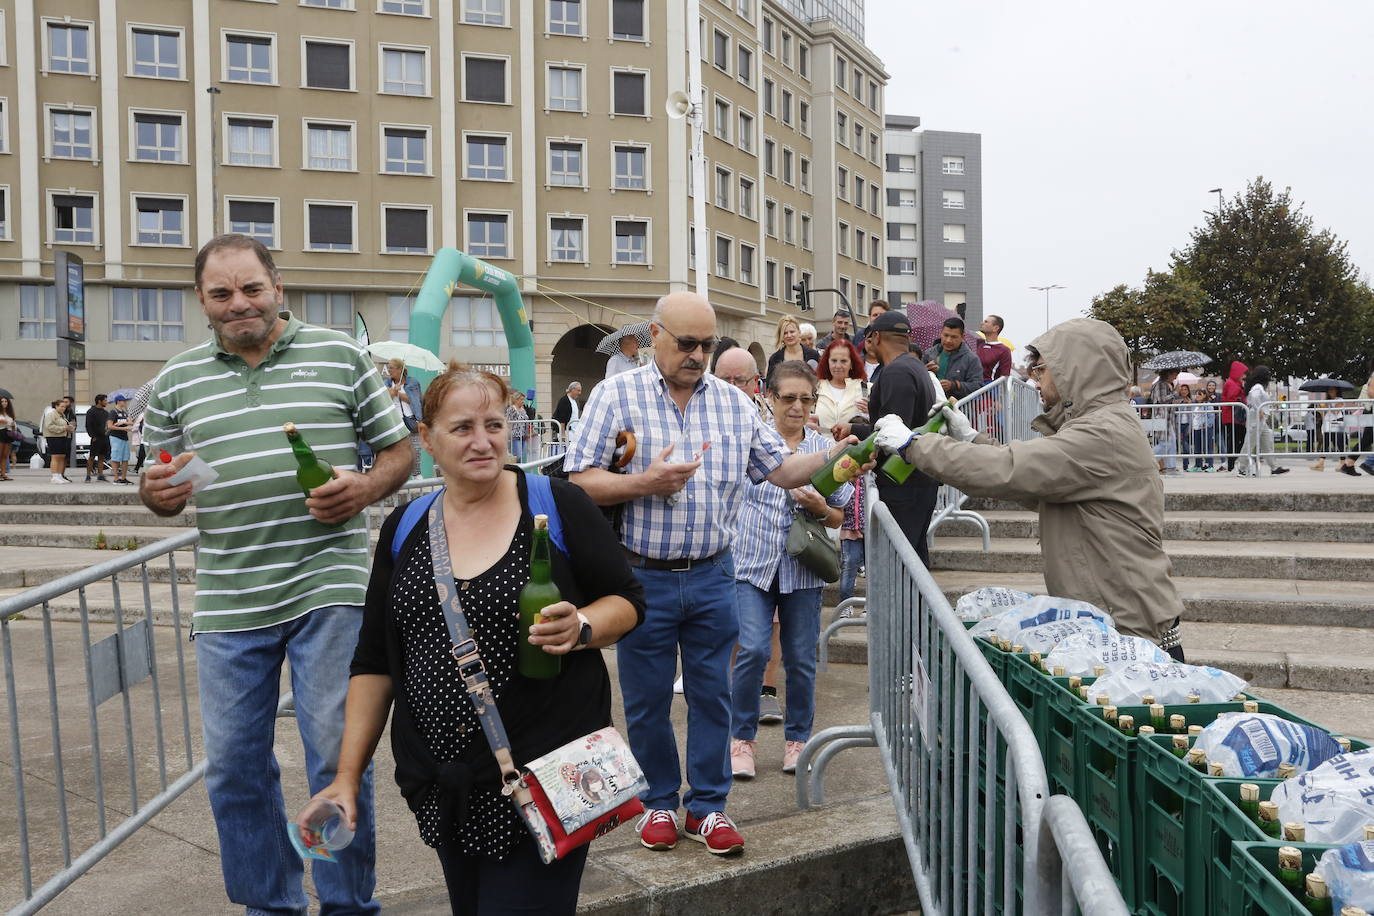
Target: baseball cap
column 890, row 321
column 120, row 397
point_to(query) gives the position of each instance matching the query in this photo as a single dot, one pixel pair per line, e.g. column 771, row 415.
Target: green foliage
column 1160, row 316
column 100, row 543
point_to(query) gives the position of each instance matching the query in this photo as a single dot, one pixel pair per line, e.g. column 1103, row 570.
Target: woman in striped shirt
column 768, row 580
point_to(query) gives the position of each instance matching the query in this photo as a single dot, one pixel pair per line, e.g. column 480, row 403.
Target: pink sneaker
column 742, row 758
column 657, row 829
column 790, row 755
column 717, row 831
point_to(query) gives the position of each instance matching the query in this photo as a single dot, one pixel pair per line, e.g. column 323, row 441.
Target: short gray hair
column 571, row 386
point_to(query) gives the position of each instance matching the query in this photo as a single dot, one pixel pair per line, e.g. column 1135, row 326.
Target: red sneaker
column 657, row 829
column 718, row 833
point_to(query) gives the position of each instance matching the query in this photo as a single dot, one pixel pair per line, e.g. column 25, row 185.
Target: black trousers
column 911, row 508
column 519, row 883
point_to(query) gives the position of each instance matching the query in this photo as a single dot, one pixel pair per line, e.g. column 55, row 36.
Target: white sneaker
column 58, row 478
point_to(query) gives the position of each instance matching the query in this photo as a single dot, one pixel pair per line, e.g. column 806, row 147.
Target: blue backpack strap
column 541, row 503
column 410, row 517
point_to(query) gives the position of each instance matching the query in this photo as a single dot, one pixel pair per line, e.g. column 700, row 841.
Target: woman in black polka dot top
column 444, row 766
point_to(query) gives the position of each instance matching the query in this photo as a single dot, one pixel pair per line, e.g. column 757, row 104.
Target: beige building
column 356, row 137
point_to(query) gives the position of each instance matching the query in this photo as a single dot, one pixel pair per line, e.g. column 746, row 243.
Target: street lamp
column 214, row 92
column 1046, row 290
column 1220, row 203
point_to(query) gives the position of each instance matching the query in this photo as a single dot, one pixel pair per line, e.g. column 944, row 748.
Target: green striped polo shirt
column 263, row 559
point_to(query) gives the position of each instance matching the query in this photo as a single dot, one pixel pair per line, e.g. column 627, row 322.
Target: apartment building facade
column 934, row 215
column 356, row 137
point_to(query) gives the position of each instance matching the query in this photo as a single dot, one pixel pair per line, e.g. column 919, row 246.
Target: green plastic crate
column 1227, row 825
column 1050, row 706
column 994, row 655
column 1256, row 889
column 1105, row 769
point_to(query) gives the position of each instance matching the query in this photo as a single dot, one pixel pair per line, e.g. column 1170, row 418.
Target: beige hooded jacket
column 1092, row 477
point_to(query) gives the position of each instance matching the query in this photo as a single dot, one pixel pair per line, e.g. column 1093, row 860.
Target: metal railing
column 964, row 767
column 1315, row 429
column 536, row 440
column 1194, row 434
column 128, row 663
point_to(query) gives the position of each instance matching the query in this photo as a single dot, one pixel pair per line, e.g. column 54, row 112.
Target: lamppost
column 1220, row 203
column 1046, row 290
column 214, row 92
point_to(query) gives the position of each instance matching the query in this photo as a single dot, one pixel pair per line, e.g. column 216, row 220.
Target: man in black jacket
column 567, row 409
column 954, row 364
column 905, row 388
column 97, row 423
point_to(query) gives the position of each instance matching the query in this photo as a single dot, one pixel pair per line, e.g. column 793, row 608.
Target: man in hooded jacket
column 1233, row 419
column 1091, row 476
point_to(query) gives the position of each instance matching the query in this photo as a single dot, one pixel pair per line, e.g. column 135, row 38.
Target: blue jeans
column 799, row 619
column 693, row 611
column 239, row 673
column 851, row 558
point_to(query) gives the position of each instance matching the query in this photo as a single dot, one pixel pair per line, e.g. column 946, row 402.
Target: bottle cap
column 1034, row 656
column 164, row 456
column 1125, row 723
column 1157, row 710
column 1059, row 671
column 1290, row 857
column 1109, row 712
column 1075, row 682
column 1103, row 700
column 1214, row 768
column 1181, row 742
column 1177, row 722
column 1146, row 730
column 289, row 428
column 1316, row 887
column 1353, row 911
column 1287, row 771
column 1249, row 792
column 1099, row 670
column 541, row 523
column 1369, row 831
column 1250, row 706
column 1197, row 755
column 1344, row 742
column 1194, row 730
column 1147, row 699
column 1194, row 698
column 1269, row 810
column 1295, row 832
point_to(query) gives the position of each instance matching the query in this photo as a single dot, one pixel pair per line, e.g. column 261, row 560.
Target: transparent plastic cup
column 320, row 830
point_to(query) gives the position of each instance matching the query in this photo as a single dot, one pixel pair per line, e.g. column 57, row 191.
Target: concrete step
column 81, row 517
column 1266, row 494
column 1293, row 602
column 1340, row 527
column 117, row 537
column 100, row 602
column 1224, row 559
column 34, row 491
column 28, row 567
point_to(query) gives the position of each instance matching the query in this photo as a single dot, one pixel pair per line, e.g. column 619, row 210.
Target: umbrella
column 610, row 344
column 138, row 403
column 126, row 393
column 1323, row 383
column 1176, row 359
column 927, row 318
column 5, row 393
column 1187, row 378
column 414, row 357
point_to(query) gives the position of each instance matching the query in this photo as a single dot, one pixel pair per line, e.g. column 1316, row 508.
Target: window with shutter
column 629, row 94
column 627, row 19
column 328, row 66
column 484, row 80
column 330, row 227
column 255, row 219
column 407, row 230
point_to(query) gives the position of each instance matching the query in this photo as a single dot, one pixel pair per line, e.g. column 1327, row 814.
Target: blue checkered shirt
column 701, row 521
column 760, row 547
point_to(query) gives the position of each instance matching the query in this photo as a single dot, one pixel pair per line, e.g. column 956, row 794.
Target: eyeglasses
column 806, row 399
column 690, row 344
column 1036, row 371
column 739, row 380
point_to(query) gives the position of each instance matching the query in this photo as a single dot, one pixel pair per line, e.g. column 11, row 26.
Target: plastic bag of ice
column 1040, row 609
column 1335, row 799
column 1081, row 653
column 1250, row 744
column 1167, row 683
column 988, row 601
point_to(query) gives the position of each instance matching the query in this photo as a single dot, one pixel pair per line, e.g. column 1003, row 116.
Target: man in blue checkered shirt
column 698, row 439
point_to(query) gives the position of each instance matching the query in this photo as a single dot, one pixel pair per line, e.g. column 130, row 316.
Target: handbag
column 569, row 796
column 808, row 541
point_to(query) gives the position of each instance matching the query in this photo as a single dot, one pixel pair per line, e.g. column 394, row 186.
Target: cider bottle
column 895, row 468
column 1249, row 800
column 1269, row 819
column 539, row 592
column 844, row 467
column 1290, row 869
column 1317, row 900
column 311, row 472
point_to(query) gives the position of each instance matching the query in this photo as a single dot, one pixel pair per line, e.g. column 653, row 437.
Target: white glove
column 957, row 425
column 892, row 434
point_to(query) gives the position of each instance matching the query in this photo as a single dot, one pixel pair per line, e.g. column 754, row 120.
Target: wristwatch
column 584, row 635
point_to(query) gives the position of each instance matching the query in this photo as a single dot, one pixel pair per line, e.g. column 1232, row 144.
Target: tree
column 1275, row 290
column 1161, row 316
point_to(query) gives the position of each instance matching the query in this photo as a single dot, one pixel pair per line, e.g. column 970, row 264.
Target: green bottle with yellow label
column 844, row 467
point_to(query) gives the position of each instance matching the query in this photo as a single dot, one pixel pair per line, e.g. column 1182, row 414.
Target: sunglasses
column 789, row 399
column 690, row 344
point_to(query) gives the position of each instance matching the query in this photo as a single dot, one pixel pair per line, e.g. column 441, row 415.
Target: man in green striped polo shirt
column 279, row 575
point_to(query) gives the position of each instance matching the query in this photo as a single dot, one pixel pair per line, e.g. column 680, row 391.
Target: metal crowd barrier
column 963, row 765
column 536, row 440
column 1193, row 434
column 1315, row 429
column 129, row 663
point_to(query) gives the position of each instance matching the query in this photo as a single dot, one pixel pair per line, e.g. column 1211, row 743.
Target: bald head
column 684, row 333
column 737, row 366
column 686, row 306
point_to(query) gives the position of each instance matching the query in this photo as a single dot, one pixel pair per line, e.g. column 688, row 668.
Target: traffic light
column 801, row 294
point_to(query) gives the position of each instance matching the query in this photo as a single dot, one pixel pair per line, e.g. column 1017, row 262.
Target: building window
column 804, row 118
column 858, row 244
column 627, row 19
column 567, row 239
column 484, row 12
column 475, row 322
column 4, row 212
column 873, row 96
column 484, row 80
column 404, row 7
column 329, row 227
column 899, row 198
column 786, row 105
column 789, row 219
column 842, row 238
column 769, row 156
column 841, row 182
column 785, row 48
column 856, row 87
column 873, row 199
column 248, row 59
column 900, row 163
column 488, row 235
column 565, row 165
column 804, row 175
column 874, row 255
column 631, row 168
column 806, row 232
column 770, row 279
column 159, row 221
column 952, row 165
column 155, row 53
column 722, row 108
column 955, row 267
column 565, row 88
column 841, row 71
column 901, row 267
column 69, row 48
column 328, row 65
column 720, row 50
column 72, row 134
column 724, row 183
column 157, row 137
column 768, row 95
column 789, row 274
column 486, row 158
column 254, row 218
column 951, row 200
column 405, row 151
column 953, row 232
column 329, row 310
column 73, row 219
column 746, row 9
column 724, row 246
column 745, row 140
column 4, row 122
column 565, row 17
column 746, row 197
column 405, row 71
column 842, row 128
column 405, row 230
column 37, row 312
column 787, row 159
column 844, row 287
column 251, row 141
column 858, row 138
column 398, row 310
column 873, row 148
column 146, row 314
column 859, row 191
column 329, row 4
column 744, row 66
column 901, row 232
column 629, row 93
column 631, row 241
column 329, row 146
column 770, row 218
column 768, row 35
column 804, row 60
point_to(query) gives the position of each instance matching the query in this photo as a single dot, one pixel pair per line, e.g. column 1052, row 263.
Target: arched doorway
column 760, row 358
column 575, row 359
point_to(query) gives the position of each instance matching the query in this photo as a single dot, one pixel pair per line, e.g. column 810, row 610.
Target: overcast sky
column 1104, row 124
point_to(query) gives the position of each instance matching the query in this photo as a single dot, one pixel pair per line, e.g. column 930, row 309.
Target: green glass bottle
column 1249, row 800
column 538, row 593
column 311, row 472
column 1180, row 746
column 1317, row 900
column 844, row 467
column 1290, row 870
column 895, row 468
column 1157, row 720
column 1269, row 819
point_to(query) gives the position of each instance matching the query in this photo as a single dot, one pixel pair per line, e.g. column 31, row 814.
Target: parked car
column 25, row 449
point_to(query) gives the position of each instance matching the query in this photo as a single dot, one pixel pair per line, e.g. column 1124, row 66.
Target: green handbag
column 810, row 543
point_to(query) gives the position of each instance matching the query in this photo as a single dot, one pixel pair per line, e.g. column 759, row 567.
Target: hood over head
column 1238, row 370
column 1090, row 363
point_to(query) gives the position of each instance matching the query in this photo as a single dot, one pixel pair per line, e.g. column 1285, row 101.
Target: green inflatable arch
column 450, row 268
